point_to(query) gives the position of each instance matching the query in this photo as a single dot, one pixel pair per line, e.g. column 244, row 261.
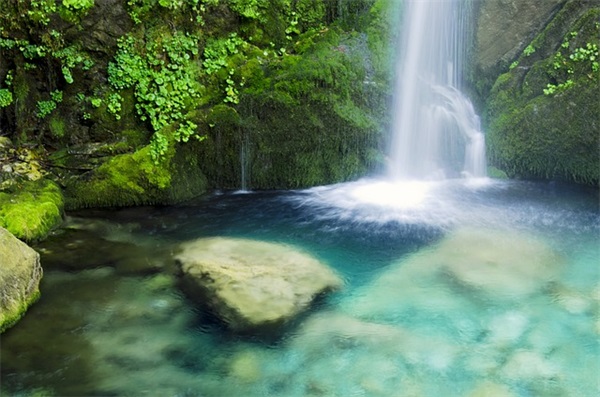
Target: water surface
column 452, row 288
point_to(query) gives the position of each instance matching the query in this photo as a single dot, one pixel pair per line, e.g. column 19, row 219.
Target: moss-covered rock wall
column 542, row 116
column 151, row 101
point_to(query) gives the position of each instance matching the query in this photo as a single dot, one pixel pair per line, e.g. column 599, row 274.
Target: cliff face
column 504, row 29
column 149, row 101
column 537, row 73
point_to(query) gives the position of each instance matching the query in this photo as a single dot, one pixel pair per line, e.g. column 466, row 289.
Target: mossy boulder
column 252, row 285
column 542, row 116
column 31, row 209
column 134, row 179
column 20, row 275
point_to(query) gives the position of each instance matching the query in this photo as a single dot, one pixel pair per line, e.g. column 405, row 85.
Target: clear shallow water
column 452, row 288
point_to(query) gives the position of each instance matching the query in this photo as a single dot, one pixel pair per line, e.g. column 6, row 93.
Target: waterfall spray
column 436, row 133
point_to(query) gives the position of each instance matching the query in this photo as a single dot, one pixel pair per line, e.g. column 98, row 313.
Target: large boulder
column 252, row 284
column 20, row 274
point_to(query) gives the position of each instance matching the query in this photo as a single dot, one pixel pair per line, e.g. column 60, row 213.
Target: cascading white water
column 436, row 133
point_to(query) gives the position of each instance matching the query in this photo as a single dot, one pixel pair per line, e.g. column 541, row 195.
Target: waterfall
column 436, row 133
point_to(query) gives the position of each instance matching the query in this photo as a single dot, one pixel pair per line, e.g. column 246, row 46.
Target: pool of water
column 453, row 288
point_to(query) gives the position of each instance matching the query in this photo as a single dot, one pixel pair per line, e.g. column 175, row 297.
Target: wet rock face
column 20, row 275
column 505, row 27
column 252, row 284
column 108, row 20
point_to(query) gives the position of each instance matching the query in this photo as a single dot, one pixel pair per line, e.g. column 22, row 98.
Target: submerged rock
column 251, row 284
column 326, row 336
column 498, row 263
column 490, row 389
column 20, row 275
column 530, row 366
column 452, row 278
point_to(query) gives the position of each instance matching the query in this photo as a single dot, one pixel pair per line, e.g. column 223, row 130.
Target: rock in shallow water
column 454, row 275
column 500, row 264
column 253, row 284
column 20, row 275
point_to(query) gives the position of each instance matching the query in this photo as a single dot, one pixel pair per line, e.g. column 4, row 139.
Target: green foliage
column 96, row 102
column 529, row 50
column 271, row 61
column 217, row 52
column 252, row 9
column 76, row 5
column 71, row 57
column 588, row 53
column 231, row 92
column 6, row 97
column 163, row 76
column 74, row 10
column 114, row 101
column 44, row 108
column 299, row 117
column 577, row 64
column 139, row 10
column 40, row 10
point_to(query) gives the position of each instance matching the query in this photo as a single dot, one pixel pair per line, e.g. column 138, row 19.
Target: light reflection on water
column 456, row 290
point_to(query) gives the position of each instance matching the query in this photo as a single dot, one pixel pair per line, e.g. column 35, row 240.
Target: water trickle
column 244, row 162
column 436, row 133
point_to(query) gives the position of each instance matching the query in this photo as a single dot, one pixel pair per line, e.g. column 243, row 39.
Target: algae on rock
column 20, row 275
column 31, row 209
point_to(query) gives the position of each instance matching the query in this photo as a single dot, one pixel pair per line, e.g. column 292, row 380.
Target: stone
column 447, row 278
column 245, row 366
column 334, row 333
column 252, row 284
column 507, row 329
column 20, row 275
column 526, row 365
column 506, row 26
column 499, row 264
column 490, row 389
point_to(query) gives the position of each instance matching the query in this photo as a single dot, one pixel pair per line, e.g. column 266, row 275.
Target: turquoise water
column 452, row 289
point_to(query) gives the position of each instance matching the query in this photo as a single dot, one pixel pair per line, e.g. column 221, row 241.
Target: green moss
column 8, row 319
column 533, row 133
column 57, row 126
column 303, row 119
column 31, row 209
column 301, row 93
column 134, row 179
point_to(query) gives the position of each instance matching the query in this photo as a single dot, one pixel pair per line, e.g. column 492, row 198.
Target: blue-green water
column 452, row 289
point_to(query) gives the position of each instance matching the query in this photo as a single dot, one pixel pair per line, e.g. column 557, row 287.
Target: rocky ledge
column 252, row 284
